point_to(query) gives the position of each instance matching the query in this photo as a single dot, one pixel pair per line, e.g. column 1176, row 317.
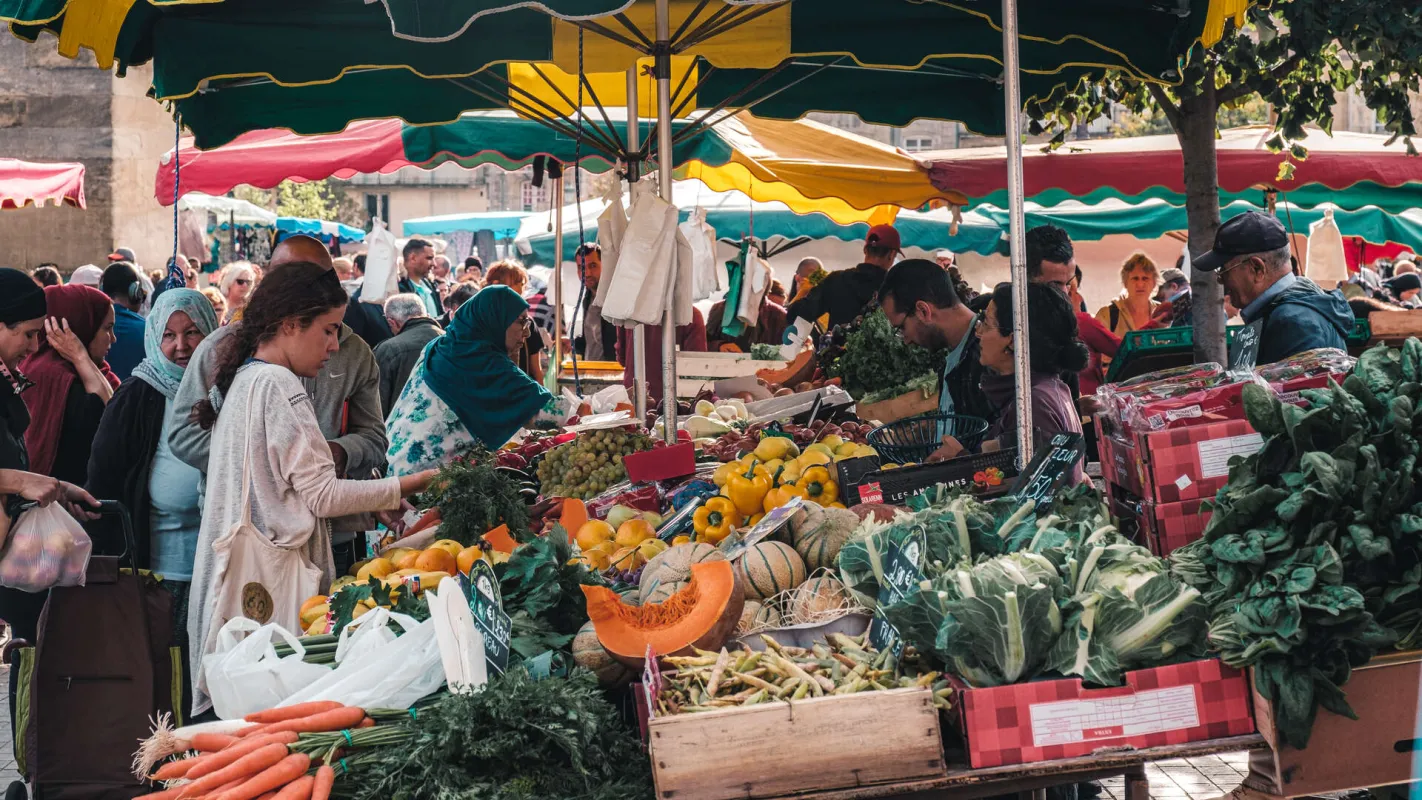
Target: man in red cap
column 845, row 294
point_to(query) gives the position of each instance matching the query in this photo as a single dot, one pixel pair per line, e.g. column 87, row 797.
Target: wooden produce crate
column 909, row 404
column 817, row 744
column 697, row 371
column 1343, row 754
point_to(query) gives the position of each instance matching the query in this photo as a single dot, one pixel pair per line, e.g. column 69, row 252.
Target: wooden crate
column 810, row 745
column 910, row 404
column 1343, row 754
column 697, row 371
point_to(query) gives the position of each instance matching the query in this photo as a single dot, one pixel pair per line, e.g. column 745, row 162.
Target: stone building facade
column 54, row 109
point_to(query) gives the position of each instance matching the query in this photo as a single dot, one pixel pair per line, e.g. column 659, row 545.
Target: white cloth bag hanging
column 253, row 576
column 611, row 227
column 755, row 284
column 1327, row 264
column 645, row 263
column 705, row 272
column 382, row 268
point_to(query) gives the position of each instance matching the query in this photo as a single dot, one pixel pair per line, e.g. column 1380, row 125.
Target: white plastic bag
column 46, row 548
column 645, row 263
column 246, row 675
column 701, row 238
column 393, row 675
column 372, row 631
column 382, row 256
column 611, row 225
column 1327, row 263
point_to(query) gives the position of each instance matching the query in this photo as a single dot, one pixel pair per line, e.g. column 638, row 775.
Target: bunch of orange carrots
column 286, row 753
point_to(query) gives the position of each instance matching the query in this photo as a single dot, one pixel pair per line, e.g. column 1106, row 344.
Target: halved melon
column 702, row 614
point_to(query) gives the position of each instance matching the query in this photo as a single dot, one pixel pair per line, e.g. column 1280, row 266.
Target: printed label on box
column 1114, row 717
column 1215, row 453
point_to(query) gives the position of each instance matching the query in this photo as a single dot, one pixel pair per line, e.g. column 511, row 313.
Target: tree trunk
column 1196, row 131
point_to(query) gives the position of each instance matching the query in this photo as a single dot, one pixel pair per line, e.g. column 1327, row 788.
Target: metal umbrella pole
column 639, row 332
column 662, row 71
column 558, row 280
column 1016, row 232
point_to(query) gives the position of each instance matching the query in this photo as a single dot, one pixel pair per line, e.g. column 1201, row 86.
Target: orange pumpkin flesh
column 702, row 615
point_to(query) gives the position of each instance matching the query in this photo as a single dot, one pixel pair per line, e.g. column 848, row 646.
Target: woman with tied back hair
column 1054, row 350
column 265, row 541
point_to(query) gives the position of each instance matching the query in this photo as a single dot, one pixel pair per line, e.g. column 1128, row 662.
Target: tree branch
column 1172, row 111
column 1229, row 94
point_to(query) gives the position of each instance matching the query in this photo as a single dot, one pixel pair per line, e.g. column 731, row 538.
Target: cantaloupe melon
column 589, row 653
column 757, row 616
column 769, row 568
column 662, row 591
column 673, row 566
column 820, row 546
column 815, row 597
column 702, row 615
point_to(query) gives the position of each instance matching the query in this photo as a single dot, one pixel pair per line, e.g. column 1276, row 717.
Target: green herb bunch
column 517, row 739
column 541, row 588
column 875, row 359
column 474, row 498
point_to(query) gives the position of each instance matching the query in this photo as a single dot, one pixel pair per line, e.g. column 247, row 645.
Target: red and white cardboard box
column 1190, row 463
column 1171, row 526
column 1048, row 720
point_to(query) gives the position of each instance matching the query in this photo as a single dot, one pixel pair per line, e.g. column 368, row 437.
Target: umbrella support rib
column 684, row 39
column 690, row 18
column 745, row 14
column 597, row 103
column 1017, row 234
column 631, row 28
column 702, row 123
column 557, row 123
column 606, row 139
column 608, row 33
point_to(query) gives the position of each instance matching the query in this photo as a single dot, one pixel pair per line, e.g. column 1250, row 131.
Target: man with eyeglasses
column 1251, row 256
column 920, row 302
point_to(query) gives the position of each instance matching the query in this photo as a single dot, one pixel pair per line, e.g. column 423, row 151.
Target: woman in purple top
column 1055, row 350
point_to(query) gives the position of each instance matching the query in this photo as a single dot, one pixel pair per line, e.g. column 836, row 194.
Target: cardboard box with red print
column 1047, row 720
column 1171, row 526
column 1190, row 463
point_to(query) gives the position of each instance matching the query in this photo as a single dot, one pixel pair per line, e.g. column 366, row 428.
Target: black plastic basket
column 914, row 439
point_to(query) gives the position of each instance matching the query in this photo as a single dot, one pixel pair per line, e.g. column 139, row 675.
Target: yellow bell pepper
column 781, row 495
column 748, row 489
column 723, row 473
column 715, row 520
column 818, row 486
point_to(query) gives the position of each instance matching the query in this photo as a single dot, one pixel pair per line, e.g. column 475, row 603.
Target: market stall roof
column 228, row 210
column 315, row 66
column 504, row 224
column 30, row 183
column 1351, row 170
column 807, row 165
column 319, row 227
column 1152, row 219
column 735, row 215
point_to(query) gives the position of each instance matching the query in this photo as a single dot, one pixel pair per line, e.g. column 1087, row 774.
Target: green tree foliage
column 1291, row 54
column 326, row 199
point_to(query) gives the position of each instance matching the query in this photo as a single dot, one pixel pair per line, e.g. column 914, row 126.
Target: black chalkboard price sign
column 903, row 569
column 487, row 607
column 1049, row 465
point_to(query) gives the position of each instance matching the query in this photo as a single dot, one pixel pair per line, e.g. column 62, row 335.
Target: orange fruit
column 635, row 531
column 592, row 533
column 436, row 559
column 407, row 561
column 375, row 568
column 449, row 545
column 466, row 558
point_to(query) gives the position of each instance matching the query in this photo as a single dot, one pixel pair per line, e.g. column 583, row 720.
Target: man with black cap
column 1251, row 257
column 844, row 295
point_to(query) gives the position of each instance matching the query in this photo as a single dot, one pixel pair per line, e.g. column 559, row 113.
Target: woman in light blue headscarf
column 466, row 388
column 131, row 462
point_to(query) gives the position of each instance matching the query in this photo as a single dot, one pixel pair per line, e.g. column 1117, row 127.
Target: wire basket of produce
column 914, row 439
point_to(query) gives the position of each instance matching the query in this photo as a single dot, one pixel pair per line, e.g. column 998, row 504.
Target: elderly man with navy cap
column 1251, row 257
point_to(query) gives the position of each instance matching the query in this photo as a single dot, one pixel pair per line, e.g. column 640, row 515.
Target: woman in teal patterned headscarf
column 466, row 388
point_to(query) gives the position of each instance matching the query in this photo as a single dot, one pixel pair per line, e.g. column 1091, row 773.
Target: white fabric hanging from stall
column 638, row 292
column 1327, row 262
column 755, row 284
column 611, row 225
column 701, row 238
